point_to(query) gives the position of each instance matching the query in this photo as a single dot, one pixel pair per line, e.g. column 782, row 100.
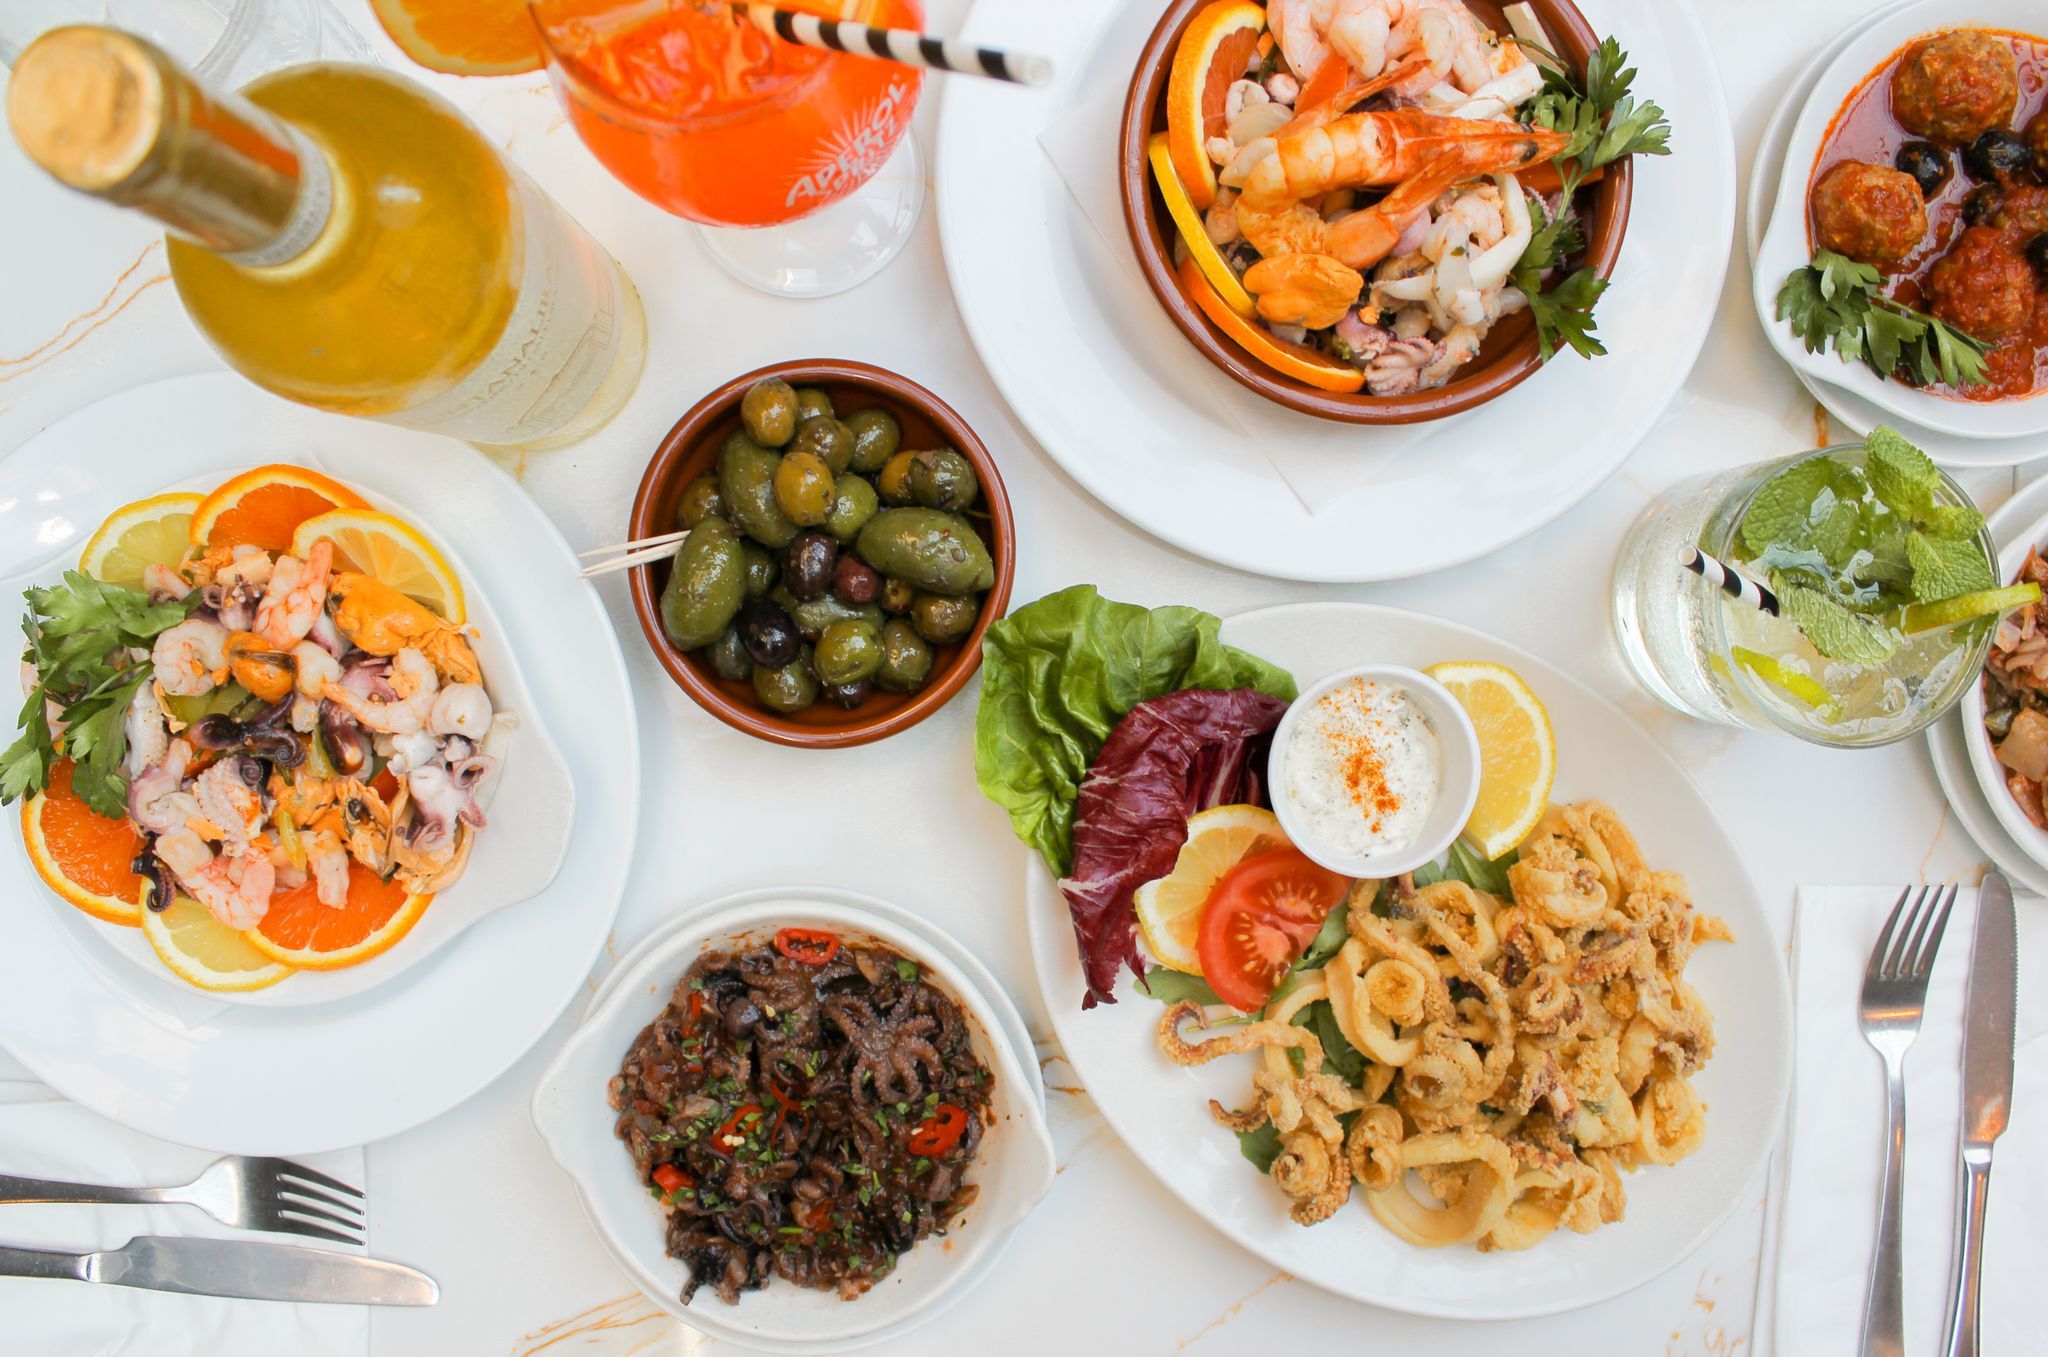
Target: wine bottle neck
column 108, row 114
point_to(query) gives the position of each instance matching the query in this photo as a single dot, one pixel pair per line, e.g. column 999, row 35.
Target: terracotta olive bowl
column 1509, row 355
column 691, row 449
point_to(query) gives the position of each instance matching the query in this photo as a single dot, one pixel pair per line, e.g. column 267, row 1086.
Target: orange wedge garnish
column 265, row 506
column 1298, row 361
column 464, row 37
column 81, row 855
column 1213, row 51
column 300, row 931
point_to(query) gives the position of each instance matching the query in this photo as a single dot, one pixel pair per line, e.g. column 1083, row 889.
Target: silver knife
column 1989, row 1013
column 232, row 1267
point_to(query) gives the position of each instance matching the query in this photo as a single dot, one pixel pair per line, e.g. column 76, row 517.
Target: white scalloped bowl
column 1014, row 1167
column 1786, row 246
column 1983, row 761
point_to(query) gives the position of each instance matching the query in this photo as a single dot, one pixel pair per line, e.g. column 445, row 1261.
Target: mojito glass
column 1894, row 592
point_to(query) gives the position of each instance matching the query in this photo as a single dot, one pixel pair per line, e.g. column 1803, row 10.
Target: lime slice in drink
column 1919, row 617
column 1802, row 688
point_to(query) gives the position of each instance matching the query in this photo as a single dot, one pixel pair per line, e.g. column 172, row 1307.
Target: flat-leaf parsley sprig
column 1835, row 302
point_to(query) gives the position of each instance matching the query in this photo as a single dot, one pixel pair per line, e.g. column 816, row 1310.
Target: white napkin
column 1834, row 1156
column 1321, row 462
column 43, row 1136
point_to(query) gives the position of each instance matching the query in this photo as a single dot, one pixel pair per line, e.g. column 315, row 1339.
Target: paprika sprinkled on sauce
column 1364, row 768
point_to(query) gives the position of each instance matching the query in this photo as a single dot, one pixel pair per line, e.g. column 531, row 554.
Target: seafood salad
column 1364, row 188
column 267, row 757
column 2016, row 697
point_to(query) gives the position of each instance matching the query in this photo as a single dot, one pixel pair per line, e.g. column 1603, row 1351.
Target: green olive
column 762, row 570
column 769, row 412
column 701, row 500
column 787, row 690
column 746, row 477
column 944, row 619
column 828, row 438
column 848, row 651
column 938, row 552
column 893, row 484
column 906, row 658
column 705, row 587
column 729, row 658
column 810, row 403
column 853, row 504
column 898, row 596
column 876, row 436
column 812, row 616
column 804, row 488
column 942, row 479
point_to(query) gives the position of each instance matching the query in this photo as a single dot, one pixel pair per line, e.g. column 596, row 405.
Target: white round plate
column 153, row 1054
column 1093, row 367
column 1851, row 409
column 1962, row 756
column 529, row 804
column 1014, row 1168
column 1161, row 1109
column 1784, row 246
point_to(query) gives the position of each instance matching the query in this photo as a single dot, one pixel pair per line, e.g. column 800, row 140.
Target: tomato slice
column 1261, row 916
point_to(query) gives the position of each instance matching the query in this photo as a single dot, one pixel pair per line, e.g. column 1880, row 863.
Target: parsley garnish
column 80, row 634
column 1603, row 123
column 1834, row 301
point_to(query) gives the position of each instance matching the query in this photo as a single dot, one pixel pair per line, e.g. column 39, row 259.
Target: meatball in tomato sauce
column 1957, row 86
column 1873, row 214
column 1984, row 286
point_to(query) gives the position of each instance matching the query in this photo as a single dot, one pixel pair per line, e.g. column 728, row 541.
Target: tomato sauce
column 1865, row 129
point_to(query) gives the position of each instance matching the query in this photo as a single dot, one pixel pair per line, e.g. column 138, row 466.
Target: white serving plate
column 1160, row 1109
column 1852, row 410
column 529, row 802
column 2016, row 530
column 1014, row 1167
column 1096, row 371
column 147, row 1051
column 1785, row 245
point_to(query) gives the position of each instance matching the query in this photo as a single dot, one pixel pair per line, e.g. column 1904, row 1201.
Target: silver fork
column 1894, row 998
column 250, row 1194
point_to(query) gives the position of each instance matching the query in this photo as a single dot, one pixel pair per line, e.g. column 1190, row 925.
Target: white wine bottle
column 346, row 239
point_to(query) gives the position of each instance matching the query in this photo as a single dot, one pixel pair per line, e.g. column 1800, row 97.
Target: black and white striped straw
column 1728, row 580
column 902, row 45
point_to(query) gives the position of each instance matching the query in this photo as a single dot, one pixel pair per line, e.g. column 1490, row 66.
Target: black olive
column 855, row 581
column 1981, row 204
column 848, row 696
column 1997, row 156
column 768, row 633
column 1929, row 165
column 2037, row 255
column 807, row 568
column 741, row 1016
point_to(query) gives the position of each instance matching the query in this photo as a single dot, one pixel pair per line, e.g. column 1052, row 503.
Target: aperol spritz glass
column 794, row 161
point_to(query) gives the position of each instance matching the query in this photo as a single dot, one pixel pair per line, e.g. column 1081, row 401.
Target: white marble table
column 1111, row 1262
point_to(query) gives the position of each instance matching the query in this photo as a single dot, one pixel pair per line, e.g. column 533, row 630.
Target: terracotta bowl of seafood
column 847, row 540
column 1342, row 210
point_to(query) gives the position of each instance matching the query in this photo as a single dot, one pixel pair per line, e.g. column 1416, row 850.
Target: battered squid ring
column 1374, row 1147
column 1468, row 913
column 1671, row 1120
column 1393, row 988
column 1473, row 1210
column 1536, row 1210
column 1364, row 1026
column 1556, row 885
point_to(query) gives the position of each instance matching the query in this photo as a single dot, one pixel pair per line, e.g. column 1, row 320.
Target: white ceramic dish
column 1990, row 773
column 1014, row 1168
column 1786, row 246
column 1159, row 1108
column 1852, row 410
column 530, row 803
column 150, row 1053
column 1950, row 739
column 1111, row 390
column 1457, row 789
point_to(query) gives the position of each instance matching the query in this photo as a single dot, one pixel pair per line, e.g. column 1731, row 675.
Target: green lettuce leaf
column 1057, row 676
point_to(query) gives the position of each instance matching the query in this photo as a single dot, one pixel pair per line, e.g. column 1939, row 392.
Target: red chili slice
column 939, row 1132
column 669, row 1178
column 812, row 946
column 732, row 1127
column 814, row 1216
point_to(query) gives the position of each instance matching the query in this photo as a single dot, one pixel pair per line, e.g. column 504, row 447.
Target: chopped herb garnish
column 1835, row 302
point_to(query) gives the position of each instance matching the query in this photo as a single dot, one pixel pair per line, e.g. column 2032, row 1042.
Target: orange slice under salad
column 1200, row 248
column 80, row 855
column 1298, row 361
column 300, row 931
column 265, row 506
column 1213, row 51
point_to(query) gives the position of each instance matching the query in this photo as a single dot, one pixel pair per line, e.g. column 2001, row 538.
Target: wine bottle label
column 310, row 209
column 558, row 346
